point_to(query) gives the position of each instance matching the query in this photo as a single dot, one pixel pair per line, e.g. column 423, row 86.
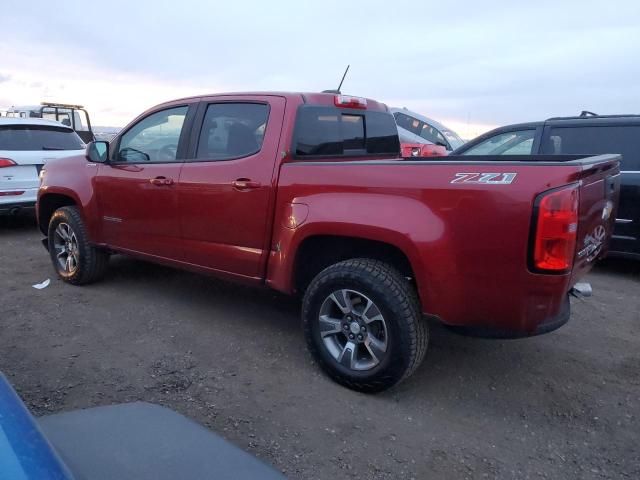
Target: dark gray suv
column 587, row 133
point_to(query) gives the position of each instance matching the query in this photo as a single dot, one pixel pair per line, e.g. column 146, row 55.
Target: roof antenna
column 341, row 81
column 345, row 74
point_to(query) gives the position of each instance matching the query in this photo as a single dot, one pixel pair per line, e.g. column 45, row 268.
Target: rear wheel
column 75, row 260
column 363, row 324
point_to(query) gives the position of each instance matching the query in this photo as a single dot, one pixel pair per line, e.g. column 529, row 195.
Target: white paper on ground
column 42, row 285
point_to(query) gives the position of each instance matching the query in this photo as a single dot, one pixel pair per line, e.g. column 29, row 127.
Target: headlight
column 41, row 174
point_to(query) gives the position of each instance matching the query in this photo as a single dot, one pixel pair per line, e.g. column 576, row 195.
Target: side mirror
column 98, row 151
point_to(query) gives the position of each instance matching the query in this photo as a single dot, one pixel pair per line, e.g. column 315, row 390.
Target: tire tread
column 402, row 293
column 93, row 261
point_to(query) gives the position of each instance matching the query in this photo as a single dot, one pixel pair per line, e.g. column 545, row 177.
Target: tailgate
column 599, row 192
column 19, row 177
column 24, row 175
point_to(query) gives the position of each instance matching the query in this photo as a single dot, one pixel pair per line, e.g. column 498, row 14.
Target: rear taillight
column 347, row 101
column 7, row 162
column 556, row 228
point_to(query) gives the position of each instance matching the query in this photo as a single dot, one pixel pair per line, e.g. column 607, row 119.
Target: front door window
column 154, row 138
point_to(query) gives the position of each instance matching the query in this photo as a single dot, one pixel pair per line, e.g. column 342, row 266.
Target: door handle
column 161, row 181
column 245, row 184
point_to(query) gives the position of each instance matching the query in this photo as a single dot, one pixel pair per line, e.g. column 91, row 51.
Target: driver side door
column 136, row 189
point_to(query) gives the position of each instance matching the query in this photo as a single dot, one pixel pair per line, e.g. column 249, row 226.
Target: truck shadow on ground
column 453, row 360
column 226, row 299
column 145, row 333
column 22, row 222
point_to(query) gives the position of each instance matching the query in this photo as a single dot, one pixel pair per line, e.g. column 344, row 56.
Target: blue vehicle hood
column 137, row 440
column 25, row 453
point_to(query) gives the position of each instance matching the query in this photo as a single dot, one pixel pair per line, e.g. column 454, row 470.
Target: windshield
column 453, row 138
column 430, row 133
column 508, row 143
column 38, row 137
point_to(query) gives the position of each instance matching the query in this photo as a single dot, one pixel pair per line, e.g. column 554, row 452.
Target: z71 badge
column 593, row 243
column 485, row 178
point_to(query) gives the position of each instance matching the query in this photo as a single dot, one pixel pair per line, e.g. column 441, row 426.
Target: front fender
column 72, row 177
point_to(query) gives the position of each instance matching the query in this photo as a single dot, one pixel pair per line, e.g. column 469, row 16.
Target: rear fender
column 365, row 216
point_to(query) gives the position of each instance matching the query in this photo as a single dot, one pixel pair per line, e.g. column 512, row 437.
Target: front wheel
column 363, row 324
column 74, row 258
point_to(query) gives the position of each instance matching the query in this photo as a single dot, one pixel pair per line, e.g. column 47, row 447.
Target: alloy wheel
column 353, row 329
column 65, row 244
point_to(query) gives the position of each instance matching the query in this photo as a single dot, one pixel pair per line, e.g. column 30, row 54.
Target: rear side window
column 595, row 140
column 329, row 131
column 232, row 130
column 38, row 137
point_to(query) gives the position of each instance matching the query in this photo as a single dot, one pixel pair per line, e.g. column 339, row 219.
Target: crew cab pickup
column 308, row 194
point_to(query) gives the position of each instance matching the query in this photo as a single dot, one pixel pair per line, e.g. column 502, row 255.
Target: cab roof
column 311, row 98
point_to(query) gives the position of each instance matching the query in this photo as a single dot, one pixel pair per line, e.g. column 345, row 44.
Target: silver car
column 416, row 128
column 26, row 144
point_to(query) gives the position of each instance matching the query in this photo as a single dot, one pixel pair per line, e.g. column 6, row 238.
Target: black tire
column 91, row 262
column 395, row 298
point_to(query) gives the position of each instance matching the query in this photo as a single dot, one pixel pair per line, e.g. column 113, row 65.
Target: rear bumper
column 505, row 306
column 17, row 207
column 11, row 203
column 548, row 325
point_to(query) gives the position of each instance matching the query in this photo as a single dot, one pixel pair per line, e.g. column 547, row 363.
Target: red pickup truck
column 308, row 194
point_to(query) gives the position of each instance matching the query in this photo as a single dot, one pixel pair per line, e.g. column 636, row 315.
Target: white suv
column 26, row 144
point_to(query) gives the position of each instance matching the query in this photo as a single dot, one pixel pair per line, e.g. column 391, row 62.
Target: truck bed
column 471, row 253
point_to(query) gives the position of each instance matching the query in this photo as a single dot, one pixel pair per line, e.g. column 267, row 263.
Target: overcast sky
column 470, row 64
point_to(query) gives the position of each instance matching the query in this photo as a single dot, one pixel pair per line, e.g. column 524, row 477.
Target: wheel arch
column 317, row 252
column 401, row 338
column 48, row 203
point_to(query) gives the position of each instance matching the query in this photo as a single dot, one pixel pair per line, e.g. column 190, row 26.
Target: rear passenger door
column 226, row 190
column 607, row 138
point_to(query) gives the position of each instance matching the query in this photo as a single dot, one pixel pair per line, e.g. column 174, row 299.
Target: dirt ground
column 562, row 405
